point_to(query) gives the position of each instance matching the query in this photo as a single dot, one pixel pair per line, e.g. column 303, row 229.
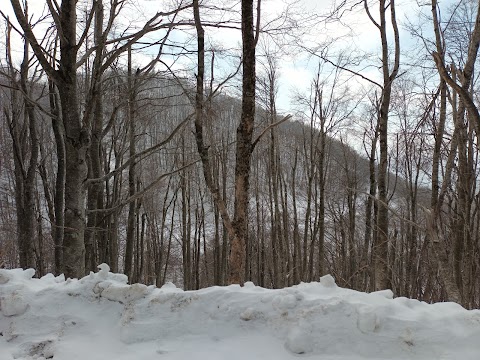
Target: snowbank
column 101, row 317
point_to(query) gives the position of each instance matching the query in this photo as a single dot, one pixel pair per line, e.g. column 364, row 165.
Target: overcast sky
column 354, row 32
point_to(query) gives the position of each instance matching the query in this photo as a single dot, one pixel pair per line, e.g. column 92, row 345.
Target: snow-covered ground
column 101, row 317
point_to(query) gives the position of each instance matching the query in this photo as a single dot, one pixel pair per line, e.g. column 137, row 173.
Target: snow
column 102, row 317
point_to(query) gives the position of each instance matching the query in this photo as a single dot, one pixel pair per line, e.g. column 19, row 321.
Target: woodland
column 143, row 142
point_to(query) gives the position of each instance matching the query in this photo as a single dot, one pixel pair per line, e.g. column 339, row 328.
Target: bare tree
column 466, row 122
column 382, row 280
column 23, row 131
column 78, row 127
column 236, row 227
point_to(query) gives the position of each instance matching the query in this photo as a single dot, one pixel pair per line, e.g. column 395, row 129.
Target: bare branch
column 141, row 193
column 467, row 99
column 141, row 155
column 269, row 127
column 37, row 49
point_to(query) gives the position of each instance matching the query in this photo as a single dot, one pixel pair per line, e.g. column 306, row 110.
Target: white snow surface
column 101, row 317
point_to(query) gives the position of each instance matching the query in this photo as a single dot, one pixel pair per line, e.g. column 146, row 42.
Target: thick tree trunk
column 27, row 228
column 76, row 136
column 95, row 236
column 244, row 148
column 76, row 144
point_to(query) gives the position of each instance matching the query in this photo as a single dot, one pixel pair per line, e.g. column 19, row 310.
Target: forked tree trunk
column 382, row 278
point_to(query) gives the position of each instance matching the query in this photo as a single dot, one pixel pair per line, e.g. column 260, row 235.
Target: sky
column 354, row 35
column 296, row 69
column 100, row 317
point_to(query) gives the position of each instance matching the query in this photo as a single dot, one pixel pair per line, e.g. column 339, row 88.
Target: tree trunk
column 25, row 156
column 59, row 197
column 95, row 236
column 130, row 240
column 244, row 148
column 76, row 136
column 382, row 279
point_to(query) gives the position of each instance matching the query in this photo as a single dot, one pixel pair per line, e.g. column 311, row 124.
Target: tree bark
column 244, row 147
column 76, row 136
column 382, row 279
column 130, row 239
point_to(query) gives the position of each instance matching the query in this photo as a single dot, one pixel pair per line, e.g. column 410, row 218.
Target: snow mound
column 102, row 317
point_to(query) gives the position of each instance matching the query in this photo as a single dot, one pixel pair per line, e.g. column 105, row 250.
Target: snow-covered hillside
column 101, row 317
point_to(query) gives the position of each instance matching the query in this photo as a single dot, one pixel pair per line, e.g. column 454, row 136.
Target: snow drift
column 101, row 317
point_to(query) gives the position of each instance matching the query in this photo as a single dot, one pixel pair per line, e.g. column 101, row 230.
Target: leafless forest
column 142, row 142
